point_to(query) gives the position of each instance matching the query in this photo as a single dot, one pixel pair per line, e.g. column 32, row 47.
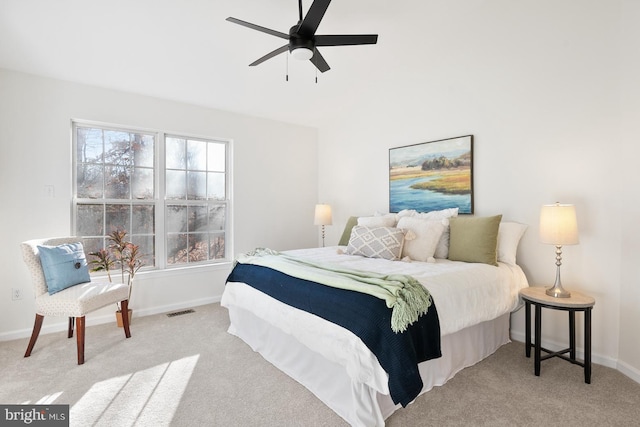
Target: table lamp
column 558, row 226
column 323, row 217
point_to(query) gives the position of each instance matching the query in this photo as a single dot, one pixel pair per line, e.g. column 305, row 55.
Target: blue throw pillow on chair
column 63, row 266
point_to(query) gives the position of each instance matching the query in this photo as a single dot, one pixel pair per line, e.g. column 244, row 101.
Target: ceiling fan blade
column 346, row 39
column 270, row 55
column 310, row 23
column 258, row 28
column 319, row 62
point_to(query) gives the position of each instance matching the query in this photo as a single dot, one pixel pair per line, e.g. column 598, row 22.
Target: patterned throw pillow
column 376, row 242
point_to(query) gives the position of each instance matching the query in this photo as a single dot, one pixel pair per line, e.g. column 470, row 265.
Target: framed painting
column 432, row 176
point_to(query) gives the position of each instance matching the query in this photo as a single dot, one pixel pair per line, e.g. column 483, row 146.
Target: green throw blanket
column 407, row 298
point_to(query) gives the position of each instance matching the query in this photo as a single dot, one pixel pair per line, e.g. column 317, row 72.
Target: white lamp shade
column 302, row 53
column 323, row 215
column 558, row 225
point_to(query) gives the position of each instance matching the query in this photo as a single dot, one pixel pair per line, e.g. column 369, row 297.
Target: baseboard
column 108, row 318
column 629, row 371
column 178, row 306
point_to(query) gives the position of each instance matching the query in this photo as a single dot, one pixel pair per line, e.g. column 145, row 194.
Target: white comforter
column 465, row 294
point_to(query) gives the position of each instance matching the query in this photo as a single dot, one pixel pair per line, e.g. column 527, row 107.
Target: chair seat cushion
column 64, row 265
column 81, row 299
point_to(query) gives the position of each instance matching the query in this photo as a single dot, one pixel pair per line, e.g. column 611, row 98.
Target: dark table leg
column 572, row 334
column 527, row 328
column 587, row 346
column 538, row 335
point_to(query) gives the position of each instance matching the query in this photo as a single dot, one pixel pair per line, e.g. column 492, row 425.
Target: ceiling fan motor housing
column 297, row 42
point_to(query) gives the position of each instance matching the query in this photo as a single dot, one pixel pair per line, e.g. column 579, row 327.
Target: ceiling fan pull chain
column 316, row 76
column 287, row 73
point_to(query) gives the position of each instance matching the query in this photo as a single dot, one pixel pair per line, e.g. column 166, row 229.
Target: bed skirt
column 357, row 403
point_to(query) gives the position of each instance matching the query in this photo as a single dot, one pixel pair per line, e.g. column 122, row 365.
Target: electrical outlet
column 16, row 294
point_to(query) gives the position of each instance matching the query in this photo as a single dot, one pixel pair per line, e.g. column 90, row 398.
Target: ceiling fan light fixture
column 302, row 53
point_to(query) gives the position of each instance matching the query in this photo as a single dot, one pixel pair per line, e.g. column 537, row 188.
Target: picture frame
column 432, row 176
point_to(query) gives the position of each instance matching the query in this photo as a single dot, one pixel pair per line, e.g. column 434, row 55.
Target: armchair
column 73, row 302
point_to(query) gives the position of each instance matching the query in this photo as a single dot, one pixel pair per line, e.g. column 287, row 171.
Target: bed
column 473, row 302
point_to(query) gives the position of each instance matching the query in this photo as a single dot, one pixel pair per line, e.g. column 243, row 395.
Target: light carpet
column 188, row 371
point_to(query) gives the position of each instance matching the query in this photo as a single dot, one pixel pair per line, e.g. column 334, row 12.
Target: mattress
column 466, row 294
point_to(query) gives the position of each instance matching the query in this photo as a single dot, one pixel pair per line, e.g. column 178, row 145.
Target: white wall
column 274, row 185
column 550, row 92
column 629, row 88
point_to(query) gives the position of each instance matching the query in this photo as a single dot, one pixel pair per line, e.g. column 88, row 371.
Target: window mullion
column 161, row 212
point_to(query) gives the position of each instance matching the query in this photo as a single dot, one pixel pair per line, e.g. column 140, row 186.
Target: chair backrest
column 32, row 258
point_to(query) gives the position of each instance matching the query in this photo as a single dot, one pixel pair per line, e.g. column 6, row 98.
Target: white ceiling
column 184, row 50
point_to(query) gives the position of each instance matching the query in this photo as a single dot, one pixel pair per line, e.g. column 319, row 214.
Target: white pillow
column 442, row 250
column 377, row 221
column 509, row 235
column 427, row 233
column 376, row 242
column 406, row 212
column 444, row 213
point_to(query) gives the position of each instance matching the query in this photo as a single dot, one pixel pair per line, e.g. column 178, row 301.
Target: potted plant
column 120, row 253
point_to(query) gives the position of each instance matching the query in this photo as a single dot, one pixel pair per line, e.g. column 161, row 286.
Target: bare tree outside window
column 115, row 177
column 115, row 186
column 196, row 187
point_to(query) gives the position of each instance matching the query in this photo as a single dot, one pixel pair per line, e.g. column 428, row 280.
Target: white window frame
column 159, row 200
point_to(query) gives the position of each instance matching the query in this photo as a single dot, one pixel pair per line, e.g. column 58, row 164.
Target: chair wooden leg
column 80, row 338
column 34, row 335
column 124, row 307
column 71, row 321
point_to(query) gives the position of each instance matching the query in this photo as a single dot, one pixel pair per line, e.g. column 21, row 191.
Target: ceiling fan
column 302, row 38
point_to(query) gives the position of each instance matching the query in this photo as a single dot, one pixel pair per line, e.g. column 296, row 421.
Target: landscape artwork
column 432, row 176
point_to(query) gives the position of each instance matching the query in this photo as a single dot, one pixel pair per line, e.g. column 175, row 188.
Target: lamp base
column 558, row 292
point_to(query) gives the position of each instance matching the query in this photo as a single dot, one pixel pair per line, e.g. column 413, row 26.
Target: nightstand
column 537, row 297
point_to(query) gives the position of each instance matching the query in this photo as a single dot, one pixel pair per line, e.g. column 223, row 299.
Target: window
column 195, row 199
column 176, row 213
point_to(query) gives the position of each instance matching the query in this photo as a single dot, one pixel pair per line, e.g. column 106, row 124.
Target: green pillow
column 474, row 239
column 351, row 222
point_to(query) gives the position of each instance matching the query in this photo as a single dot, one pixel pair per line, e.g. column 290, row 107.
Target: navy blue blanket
column 366, row 316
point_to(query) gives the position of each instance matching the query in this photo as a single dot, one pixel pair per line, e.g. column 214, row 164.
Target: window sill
column 169, row 272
